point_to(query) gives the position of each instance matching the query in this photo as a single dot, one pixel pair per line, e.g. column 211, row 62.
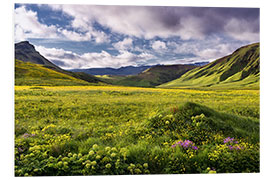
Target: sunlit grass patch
column 88, row 130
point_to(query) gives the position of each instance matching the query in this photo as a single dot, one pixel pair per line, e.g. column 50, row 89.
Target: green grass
column 27, row 73
column 239, row 70
column 89, row 130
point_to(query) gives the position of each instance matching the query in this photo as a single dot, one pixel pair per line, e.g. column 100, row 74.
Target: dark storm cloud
column 161, row 21
column 212, row 20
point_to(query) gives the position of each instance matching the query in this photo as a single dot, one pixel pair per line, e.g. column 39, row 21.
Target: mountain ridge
column 241, row 68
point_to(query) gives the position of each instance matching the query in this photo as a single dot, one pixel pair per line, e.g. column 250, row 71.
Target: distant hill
column 123, row 71
column 154, row 76
column 25, row 52
column 238, row 70
column 199, row 63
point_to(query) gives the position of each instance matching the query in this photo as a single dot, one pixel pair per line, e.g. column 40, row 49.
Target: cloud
column 149, row 22
column 209, row 50
column 242, row 30
column 159, row 45
column 28, row 26
column 139, row 34
column 74, row 36
column 145, row 22
column 70, row 60
column 127, row 43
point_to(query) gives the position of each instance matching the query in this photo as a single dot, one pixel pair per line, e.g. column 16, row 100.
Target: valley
column 167, row 119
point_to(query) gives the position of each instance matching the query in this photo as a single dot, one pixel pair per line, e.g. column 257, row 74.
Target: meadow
column 99, row 130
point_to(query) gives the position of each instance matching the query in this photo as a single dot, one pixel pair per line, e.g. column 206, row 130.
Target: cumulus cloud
column 28, row 26
column 74, row 36
column 149, row 22
column 70, row 60
column 209, row 50
column 127, row 43
column 143, row 22
column 159, row 45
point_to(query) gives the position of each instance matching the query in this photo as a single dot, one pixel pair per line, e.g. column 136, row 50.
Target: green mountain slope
column 238, row 70
column 154, row 76
column 27, row 73
column 25, row 52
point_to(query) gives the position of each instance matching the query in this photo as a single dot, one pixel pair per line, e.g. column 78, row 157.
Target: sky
column 88, row 36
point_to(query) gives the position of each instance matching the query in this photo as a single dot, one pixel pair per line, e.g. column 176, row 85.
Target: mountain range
column 122, row 71
column 237, row 70
column 125, row 71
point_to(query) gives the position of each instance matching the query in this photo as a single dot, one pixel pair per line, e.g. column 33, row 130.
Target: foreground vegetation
column 93, row 130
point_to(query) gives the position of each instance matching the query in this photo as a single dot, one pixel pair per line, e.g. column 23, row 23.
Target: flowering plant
column 186, row 144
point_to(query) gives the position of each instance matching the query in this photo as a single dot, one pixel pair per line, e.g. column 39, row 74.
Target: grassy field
column 93, row 130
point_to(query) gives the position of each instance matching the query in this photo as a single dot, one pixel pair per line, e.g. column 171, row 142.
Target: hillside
column 154, row 76
column 238, row 70
column 27, row 73
column 25, row 52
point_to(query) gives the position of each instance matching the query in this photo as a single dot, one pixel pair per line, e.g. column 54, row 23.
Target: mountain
column 154, row 76
column 26, row 53
column 238, row 70
column 123, row 71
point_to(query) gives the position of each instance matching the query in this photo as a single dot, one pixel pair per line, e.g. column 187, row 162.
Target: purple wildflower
column 185, row 144
column 20, row 149
column 26, row 135
column 235, row 147
column 173, row 146
column 228, row 140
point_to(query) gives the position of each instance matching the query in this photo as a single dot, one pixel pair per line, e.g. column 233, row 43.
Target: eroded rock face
column 26, row 52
